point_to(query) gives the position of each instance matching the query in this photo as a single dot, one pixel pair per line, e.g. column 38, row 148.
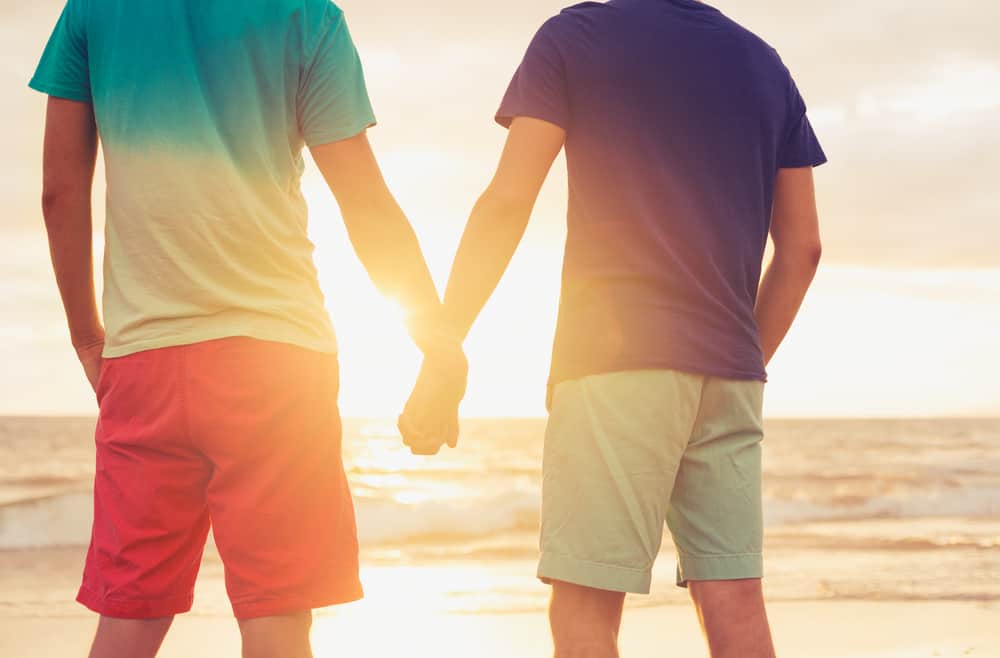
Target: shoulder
column 754, row 44
column 770, row 67
column 761, row 56
column 318, row 19
column 584, row 9
column 582, row 12
column 77, row 12
column 568, row 21
column 320, row 9
column 318, row 15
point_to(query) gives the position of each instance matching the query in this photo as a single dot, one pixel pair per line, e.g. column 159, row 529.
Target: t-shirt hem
column 60, row 91
column 325, row 346
column 505, row 119
column 331, row 136
column 807, row 162
column 720, row 373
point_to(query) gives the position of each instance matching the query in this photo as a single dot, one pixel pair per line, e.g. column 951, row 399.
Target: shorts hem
column 134, row 609
column 596, row 575
column 283, row 606
column 741, row 566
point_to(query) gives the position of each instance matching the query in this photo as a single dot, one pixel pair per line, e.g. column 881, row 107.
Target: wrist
column 440, row 346
column 433, row 334
column 88, row 342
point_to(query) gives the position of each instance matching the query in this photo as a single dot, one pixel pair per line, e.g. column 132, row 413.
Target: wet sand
column 803, row 630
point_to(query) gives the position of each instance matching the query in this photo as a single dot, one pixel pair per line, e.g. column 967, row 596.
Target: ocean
column 854, row 509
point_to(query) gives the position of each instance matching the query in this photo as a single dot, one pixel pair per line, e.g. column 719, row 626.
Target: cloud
column 947, row 90
column 912, row 165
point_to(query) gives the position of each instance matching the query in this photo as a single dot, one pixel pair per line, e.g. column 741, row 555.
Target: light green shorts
column 625, row 453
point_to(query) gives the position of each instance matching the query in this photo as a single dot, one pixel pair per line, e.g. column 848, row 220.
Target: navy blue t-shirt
column 677, row 121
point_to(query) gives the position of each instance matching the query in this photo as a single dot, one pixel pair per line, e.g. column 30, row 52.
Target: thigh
column 715, row 514
column 281, row 507
column 150, row 514
column 612, row 448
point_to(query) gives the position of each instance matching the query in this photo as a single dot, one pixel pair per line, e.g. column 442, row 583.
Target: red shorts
column 239, row 434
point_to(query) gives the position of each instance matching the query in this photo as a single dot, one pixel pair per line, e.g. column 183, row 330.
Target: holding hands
column 430, row 419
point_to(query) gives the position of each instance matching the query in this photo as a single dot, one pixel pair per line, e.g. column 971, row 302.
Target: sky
column 905, row 313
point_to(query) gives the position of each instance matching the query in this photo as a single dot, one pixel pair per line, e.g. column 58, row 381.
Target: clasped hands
column 430, row 418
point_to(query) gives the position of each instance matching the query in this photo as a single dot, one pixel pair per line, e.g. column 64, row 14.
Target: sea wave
column 389, row 521
column 64, row 519
column 971, row 502
column 57, row 520
column 42, row 481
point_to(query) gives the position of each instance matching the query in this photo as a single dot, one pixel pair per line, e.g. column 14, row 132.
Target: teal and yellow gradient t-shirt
column 203, row 108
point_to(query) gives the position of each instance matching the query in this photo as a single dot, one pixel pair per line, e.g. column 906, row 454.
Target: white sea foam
column 961, row 502
column 488, row 489
column 64, row 520
column 388, row 521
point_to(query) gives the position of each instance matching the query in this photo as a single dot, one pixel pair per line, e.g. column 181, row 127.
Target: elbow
column 52, row 199
column 55, row 199
column 804, row 256
column 812, row 254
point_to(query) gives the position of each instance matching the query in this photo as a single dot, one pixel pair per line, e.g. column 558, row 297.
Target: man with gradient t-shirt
column 687, row 143
column 215, row 365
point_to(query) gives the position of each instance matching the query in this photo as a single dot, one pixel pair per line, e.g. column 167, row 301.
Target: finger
column 426, row 422
column 414, row 416
column 426, row 450
column 419, row 441
column 412, row 434
column 405, row 424
column 431, row 441
column 424, row 446
column 420, row 422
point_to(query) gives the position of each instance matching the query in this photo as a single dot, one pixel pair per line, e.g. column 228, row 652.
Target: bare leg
column 585, row 621
column 733, row 617
column 129, row 638
column 286, row 636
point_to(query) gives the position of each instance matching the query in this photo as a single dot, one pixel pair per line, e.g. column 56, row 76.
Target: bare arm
column 70, row 154
column 499, row 219
column 494, row 230
column 797, row 251
column 379, row 231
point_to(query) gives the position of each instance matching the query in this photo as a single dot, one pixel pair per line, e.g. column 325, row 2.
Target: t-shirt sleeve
column 64, row 70
column 539, row 88
column 333, row 99
column 801, row 147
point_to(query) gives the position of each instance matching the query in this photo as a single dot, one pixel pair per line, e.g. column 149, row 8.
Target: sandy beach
column 803, row 630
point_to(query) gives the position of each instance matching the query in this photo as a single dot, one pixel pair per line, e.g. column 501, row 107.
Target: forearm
column 389, row 250
column 491, row 237
column 68, row 222
column 782, row 291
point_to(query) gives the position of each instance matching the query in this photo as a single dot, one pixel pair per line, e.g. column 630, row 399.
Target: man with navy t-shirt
column 687, row 144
